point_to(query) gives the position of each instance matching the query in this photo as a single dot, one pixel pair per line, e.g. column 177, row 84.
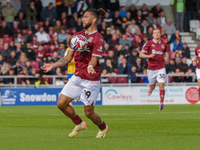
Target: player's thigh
column 198, row 73
column 90, row 92
column 72, row 89
column 161, row 75
column 151, row 74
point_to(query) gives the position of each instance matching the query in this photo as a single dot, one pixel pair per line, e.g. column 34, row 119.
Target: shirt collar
column 155, row 41
column 91, row 33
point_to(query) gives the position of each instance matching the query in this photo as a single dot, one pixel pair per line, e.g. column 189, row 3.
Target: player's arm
column 195, row 58
column 143, row 55
column 145, row 49
column 63, row 61
column 96, row 54
column 196, row 55
column 92, row 64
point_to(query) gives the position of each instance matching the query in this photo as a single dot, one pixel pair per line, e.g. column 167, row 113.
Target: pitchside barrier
column 110, row 94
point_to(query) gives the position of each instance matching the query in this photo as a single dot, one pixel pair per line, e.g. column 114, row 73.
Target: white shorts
column 156, row 75
column 198, row 73
column 85, row 90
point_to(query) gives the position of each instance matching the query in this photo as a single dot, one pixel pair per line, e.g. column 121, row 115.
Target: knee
column 88, row 114
column 60, row 105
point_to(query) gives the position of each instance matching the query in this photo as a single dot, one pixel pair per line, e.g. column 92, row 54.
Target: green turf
column 131, row 128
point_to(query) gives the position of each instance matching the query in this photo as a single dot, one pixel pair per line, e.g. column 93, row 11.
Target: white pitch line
column 114, row 114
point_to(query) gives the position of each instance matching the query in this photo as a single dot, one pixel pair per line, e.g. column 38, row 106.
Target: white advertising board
column 138, row 95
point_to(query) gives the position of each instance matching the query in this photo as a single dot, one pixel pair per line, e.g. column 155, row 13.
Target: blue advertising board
column 34, row 96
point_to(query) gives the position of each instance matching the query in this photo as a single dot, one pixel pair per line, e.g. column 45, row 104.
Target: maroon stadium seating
column 7, row 40
column 24, row 31
column 121, row 80
column 69, row 31
column 35, row 65
column 112, row 79
column 117, row 71
column 40, row 23
column 46, row 47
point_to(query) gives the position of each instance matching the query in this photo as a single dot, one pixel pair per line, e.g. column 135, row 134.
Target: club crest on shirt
column 90, row 39
column 162, row 46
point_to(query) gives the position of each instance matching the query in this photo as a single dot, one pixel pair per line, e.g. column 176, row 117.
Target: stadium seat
column 171, row 47
column 189, row 61
column 182, row 79
column 194, row 24
column 173, row 55
column 170, row 79
column 122, row 80
column 7, row 40
column 112, row 79
column 170, row 53
column 35, row 65
column 117, row 70
column 24, row 31
column 198, row 33
column 46, row 47
column 140, row 81
column 69, row 31
column 40, row 23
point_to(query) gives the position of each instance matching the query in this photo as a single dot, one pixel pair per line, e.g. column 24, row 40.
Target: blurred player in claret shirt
column 156, row 50
column 197, row 60
column 85, row 83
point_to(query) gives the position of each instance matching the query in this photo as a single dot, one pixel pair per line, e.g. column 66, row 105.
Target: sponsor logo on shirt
column 156, row 52
column 90, row 39
column 199, row 55
column 153, row 45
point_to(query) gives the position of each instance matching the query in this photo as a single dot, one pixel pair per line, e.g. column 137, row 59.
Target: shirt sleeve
column 165, row 49
column 146, row 47
column 196, row 52
column 98, row 48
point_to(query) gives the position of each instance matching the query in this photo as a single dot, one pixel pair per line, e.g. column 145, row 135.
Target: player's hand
column 151, row 56
column 91, row 71
column 47, row 67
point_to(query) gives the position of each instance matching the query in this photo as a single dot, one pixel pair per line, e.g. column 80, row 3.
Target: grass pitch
column 131, row 128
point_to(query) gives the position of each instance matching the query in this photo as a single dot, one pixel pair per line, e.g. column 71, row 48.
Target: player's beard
column 87, row 25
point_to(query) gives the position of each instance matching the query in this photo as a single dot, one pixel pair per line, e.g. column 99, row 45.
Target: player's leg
column 151, row 88
column 96, row 119
column 161, row 77
column 89, row 96
column 69, row 77
column 70, row 91
column 152, row 81
column 199, row 86
column 63, row 105
column 198, row 78
column 162, row 95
